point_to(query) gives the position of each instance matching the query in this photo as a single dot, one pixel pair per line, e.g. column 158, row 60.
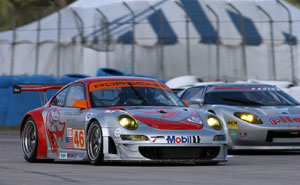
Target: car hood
column 167, row 118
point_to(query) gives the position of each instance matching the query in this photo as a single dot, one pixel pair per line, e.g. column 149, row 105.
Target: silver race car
column 256, row 116
column 120, row 119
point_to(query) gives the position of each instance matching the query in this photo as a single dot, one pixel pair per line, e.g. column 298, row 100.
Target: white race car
column 256, row 116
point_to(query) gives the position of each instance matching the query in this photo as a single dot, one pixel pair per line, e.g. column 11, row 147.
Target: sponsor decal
column 70, row 132
column 124, row 83
column 63, row 155
column 183, row 139
column 69, row 138
column 233, row 124
column 88, row 116
column 233, row 134
column 118, row 132
column 284, row 119
column 157, row 139
column 71, row 156
column 80, row 156
column 78, row 139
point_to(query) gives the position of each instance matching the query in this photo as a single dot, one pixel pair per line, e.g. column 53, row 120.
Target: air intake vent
column 179, row 153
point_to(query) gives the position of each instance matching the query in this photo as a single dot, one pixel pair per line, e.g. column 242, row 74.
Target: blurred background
column 59, row 41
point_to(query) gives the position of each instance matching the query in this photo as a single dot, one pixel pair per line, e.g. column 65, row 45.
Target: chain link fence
column 281, row 52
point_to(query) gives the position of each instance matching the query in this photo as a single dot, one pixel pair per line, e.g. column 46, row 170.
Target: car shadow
column 141, row 164
column 263, row 152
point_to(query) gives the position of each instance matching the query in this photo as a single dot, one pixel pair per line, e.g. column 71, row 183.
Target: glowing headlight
column 249, row 117
column 214, row 122
column 128, row 122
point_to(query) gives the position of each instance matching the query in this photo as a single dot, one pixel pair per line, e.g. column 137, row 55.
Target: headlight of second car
column 249, row 117
column 128, row 122
column 214, row 122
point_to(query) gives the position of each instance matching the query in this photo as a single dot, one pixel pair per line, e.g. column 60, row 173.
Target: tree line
column 20, row 12
column 15, row 13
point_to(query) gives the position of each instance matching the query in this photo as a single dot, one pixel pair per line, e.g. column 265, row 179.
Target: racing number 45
column 79, row 139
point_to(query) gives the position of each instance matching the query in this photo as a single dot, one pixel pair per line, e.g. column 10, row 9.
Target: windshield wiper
column 246, row 101
column 144, row 102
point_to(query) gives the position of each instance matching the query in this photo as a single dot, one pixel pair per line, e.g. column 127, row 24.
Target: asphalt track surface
column 242, row 168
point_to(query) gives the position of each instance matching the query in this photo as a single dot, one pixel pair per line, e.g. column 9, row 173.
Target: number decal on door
column 79, row 139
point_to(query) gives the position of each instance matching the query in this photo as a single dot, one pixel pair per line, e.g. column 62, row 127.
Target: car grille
column 179, row 153
column 283, row 137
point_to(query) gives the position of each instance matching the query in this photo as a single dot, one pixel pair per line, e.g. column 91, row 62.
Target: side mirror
column 198, row 101
column 82, row 104
column 186, row 103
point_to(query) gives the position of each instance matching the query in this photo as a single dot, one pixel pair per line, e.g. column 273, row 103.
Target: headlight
column 128, row 122
column 214, row 122
column 249, row 117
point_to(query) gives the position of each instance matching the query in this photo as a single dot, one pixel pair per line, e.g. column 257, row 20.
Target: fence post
column 161, row 43
column 106, row 23
column 187, row 35
column 243, row 39
column 218, row 41
column 37, row 53
column 58, row 38
column 272, row 41
column 133, row 38
column 80, row 27
column 290, row 41
column 13, row 44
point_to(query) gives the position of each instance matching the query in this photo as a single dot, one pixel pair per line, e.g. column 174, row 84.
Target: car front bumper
column 264, row 138
column 169, row 152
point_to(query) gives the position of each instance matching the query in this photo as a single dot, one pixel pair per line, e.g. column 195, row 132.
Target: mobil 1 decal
column 183, row 139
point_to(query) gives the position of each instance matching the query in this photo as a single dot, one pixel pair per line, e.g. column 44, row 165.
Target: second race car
column 256, row 116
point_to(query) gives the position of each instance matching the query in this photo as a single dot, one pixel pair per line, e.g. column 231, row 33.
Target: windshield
column 133, row 94
column 274, row 97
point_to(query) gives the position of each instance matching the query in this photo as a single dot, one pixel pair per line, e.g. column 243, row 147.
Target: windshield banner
column 121, row 83
column 245, row 88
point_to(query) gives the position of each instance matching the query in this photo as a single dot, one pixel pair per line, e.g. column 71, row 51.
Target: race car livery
column 120, row 119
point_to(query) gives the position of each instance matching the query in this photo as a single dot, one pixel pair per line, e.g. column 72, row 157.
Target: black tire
column 29, row 140
column 95, row 143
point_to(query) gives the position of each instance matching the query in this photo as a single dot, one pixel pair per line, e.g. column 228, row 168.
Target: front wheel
column 29, row 140
column 95, row 144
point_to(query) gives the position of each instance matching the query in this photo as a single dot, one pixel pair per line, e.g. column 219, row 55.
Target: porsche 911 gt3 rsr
column 120, row 119
column 256, row 116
